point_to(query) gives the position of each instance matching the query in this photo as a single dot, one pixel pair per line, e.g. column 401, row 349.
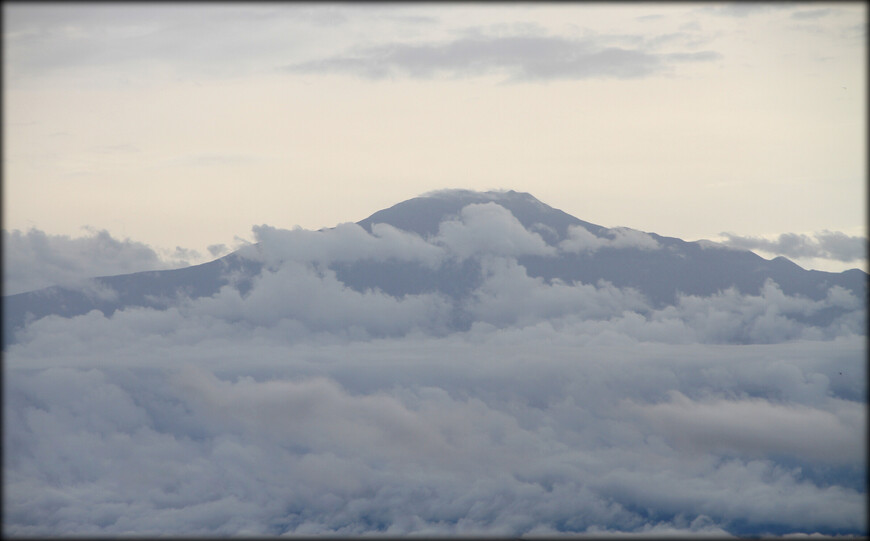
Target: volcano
column 558, row 248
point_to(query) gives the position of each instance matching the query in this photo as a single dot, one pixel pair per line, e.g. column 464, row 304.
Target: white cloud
column 508, row 296
column 345, row 242
column 489, row 228
column 580, row 239
column 319, row 301
column 454, row 435
column 758, row 427
column 770, row 317
column 624, row 237
column 35, row 259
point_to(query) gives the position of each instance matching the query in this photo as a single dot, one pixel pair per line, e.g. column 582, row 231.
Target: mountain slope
column 692, row 268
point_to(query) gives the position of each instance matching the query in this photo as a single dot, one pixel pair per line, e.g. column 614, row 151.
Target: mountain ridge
column 424, row 213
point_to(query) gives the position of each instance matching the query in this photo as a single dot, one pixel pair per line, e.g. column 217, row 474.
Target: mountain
column 694, row 268
column 661, row 268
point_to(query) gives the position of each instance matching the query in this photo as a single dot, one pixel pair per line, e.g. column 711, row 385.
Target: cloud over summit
column 489, row 228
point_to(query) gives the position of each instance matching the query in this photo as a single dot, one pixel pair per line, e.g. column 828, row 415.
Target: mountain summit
column 660, row 267
column 443, row 243
column 423, row 215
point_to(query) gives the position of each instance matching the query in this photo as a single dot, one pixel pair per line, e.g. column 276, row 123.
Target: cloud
column 343, row 243
column 770, row 317
column 522, row 57
column 508, row 296
column 744, row 9
column 580, row 239
column 35, row 259
column 826, row 245
column 303, row 406
column 743, row 426
column 217, row 250
column 489, row 228
column 224, row 40
column 811, row 14
column 316, row 299
column 453, row 435
column 141, row 44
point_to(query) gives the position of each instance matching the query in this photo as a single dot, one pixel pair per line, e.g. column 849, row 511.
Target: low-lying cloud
column 743, row 426
column 833, row 245
column 503, row 433
column 489, row 228
column 581, row 239
column 305, row 406
column 522, row 57
column 34, row 259
column 345, row 242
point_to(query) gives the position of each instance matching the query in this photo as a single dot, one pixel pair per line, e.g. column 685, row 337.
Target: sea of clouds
column 305, row 406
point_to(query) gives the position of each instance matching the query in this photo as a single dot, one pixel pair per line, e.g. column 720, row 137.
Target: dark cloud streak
column 833, row 245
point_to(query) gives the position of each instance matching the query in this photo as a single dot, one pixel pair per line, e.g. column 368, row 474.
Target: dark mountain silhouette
column 675, row 267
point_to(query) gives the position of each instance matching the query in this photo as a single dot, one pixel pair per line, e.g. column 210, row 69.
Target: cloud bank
column 305, row 406
column 33, row 259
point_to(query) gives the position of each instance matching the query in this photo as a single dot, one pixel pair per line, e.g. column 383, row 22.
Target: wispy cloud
column 811, row 14
column 581, row 240
column 745, row 9
column 522, row 57
column 825, row 245
column 135, row 38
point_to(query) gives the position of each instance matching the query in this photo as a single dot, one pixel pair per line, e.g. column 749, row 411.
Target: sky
column 179, row 128
column 147, row 136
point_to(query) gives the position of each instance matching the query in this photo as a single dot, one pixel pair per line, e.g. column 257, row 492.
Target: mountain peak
column 424, row 214
column 494, row 195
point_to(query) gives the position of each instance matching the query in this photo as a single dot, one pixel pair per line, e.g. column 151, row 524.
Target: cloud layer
column 502, row 433
column 305, row 406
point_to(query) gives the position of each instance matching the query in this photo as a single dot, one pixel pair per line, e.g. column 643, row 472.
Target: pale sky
column 186, row 125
